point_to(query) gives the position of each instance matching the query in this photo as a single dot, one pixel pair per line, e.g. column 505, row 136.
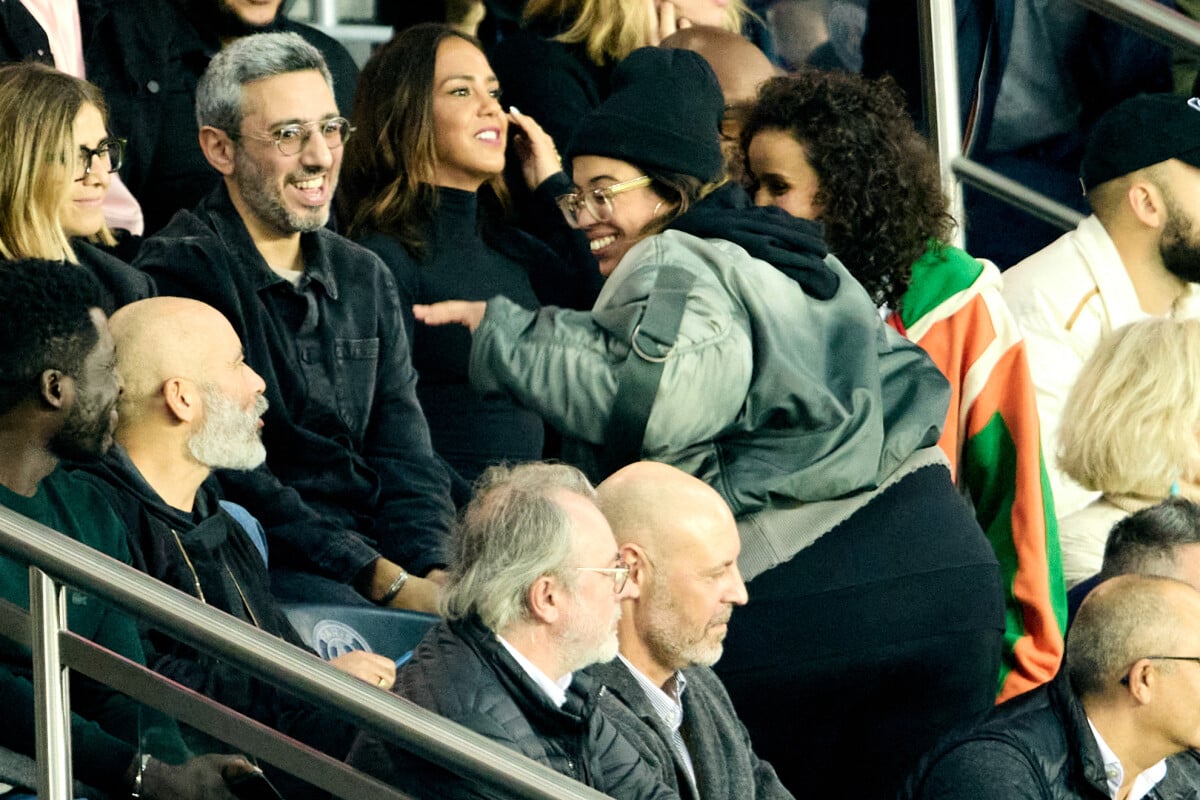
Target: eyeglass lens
column 293, row 138
column 109, row 155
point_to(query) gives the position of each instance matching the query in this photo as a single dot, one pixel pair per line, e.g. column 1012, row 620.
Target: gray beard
column 228, row 437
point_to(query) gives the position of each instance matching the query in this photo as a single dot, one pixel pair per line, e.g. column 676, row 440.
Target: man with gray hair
column 1121, row 720
column 534, row 595
column 320, row 320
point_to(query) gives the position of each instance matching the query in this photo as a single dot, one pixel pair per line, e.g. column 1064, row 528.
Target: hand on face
column 535, row 148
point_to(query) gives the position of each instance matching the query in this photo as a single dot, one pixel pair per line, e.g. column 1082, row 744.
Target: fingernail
column 515, row 110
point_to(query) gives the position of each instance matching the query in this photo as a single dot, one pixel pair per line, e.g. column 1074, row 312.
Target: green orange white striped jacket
column 954, row 311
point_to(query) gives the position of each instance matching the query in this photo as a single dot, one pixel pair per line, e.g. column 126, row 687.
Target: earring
column 657, row 207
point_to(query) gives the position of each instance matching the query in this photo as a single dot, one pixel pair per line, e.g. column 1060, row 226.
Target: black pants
column 852, row 658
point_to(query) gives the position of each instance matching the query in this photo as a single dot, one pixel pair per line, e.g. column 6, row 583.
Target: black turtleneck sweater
column 462, row 262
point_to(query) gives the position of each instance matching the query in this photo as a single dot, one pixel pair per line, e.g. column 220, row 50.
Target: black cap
column 664, row 112
column 1138, row 132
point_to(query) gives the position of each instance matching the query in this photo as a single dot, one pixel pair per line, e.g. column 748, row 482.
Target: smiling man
column 681, row 544
column 320, row 320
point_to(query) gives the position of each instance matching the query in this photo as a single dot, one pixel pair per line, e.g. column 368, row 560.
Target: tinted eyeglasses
column 292, row 139
column 598, row 202
column 108, row 155
column 620, row 575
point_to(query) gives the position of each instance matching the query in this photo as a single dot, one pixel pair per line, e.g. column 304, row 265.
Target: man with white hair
column 535, row 594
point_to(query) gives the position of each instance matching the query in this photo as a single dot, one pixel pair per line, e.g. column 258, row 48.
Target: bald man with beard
column 680, row 542
column 191, row 404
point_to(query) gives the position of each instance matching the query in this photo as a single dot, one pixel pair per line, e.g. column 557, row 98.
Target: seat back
column 334, row 630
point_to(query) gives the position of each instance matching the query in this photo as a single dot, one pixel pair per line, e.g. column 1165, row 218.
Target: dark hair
column 46, row 323
column 679, row 190
column 1144, row 542
column 880, row 191
column 388, row 169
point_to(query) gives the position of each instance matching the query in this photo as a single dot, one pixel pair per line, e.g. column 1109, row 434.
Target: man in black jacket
column 319, row 317
column 1121, row 719
column 681, row 544
column 534, row 596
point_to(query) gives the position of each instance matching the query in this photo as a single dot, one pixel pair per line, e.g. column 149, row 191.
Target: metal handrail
column 422, row 732
column 938, row 26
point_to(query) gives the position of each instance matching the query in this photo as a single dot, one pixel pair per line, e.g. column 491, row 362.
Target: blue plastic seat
column 334, row 630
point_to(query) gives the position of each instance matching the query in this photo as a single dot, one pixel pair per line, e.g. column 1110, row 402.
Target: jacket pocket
column 356, row 371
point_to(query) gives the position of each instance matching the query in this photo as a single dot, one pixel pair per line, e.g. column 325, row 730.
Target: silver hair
column 511, row 533
column 250, row 58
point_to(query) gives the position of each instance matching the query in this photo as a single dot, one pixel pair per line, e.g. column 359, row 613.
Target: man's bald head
column 681, row 544
column 1124, row 620
column 164, row 337
column 658, row 506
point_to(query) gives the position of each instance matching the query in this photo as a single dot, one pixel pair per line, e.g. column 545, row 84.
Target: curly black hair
column 46, row 324
column 880, row 191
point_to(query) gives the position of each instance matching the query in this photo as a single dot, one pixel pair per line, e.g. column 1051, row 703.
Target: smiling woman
column 422, row 187
column 55, row 167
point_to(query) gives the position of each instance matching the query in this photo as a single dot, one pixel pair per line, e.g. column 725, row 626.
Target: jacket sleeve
column 993, row 438
column 564, row 364
column 413, row 522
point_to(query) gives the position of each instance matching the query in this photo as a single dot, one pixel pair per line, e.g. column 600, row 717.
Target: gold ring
column 382, row 683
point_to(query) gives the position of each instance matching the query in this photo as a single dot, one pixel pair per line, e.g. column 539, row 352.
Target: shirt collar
column 555, row 690
column 1114, row 773
column 668, row 706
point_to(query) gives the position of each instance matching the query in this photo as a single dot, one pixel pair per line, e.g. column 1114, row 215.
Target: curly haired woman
column 841, row 149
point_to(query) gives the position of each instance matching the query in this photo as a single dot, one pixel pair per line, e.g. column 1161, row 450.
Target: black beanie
column 664, row 112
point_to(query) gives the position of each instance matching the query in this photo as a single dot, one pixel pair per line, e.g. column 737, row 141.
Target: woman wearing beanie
column 421, row 186
column 725, row 343
column 841, row 149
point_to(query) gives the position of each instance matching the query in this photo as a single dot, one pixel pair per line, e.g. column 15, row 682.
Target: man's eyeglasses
column 620, row 575
column 598, row 202
column 110, row 151
column 1125, row 680
column 292, row 139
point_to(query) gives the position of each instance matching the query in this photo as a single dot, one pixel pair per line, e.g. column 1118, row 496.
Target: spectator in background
column 58, row 398
column 58, row 161
column 680, row 543
column 840, row 149
column 783, row 389
column 121, row 46
column 1137, row 256
column 1125, row 432
column 464, row 16
column 1120, row 720
column 429, row 203
column 1163, row 540
column 320, row 320
column 534, row 595
column 177, row 175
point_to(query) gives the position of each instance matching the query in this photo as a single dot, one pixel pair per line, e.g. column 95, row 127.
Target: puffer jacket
column 784, row 384
column 1038, row 745
column 461, row 671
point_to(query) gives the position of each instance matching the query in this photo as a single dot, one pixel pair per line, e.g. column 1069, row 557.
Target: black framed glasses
column 619, row 574
column 598, row 202
column 109, row 154
column 292, row 139
column 1196, row 659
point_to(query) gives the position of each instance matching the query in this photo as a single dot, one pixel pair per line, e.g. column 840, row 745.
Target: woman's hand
column 539, row 157
column 663, row 21
column 463, row 312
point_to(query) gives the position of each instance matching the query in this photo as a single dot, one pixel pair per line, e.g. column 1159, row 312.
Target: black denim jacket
column 344, row 427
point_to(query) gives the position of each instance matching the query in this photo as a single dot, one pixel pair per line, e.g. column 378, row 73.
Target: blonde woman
column 1131, row 431
column 559, row 66
column 55, row 168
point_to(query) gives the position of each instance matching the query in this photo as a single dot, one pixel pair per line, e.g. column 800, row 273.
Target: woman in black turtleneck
column 421, row 186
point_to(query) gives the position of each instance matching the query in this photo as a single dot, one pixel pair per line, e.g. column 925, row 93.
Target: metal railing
column 55, row 559
column 939, row 61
